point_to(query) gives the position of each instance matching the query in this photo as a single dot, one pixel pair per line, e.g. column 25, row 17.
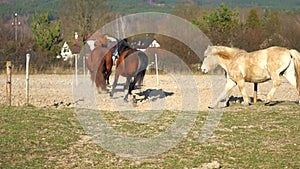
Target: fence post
column 27, row 78
column 8, row 82
column 76, row 69
column 83, row 58
column 255, row 93
column 156, row 69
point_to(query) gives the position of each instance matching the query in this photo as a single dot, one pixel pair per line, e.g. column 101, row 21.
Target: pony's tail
column 296, row 58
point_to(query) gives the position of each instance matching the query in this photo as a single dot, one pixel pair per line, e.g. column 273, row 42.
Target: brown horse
column 254, row 67
column 100, row 63
column 130, row 63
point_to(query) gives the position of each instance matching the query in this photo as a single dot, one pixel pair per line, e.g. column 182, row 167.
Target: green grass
column 247, row 137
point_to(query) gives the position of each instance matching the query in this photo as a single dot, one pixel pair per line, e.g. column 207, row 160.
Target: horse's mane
column 123, row 46
column 228, row 53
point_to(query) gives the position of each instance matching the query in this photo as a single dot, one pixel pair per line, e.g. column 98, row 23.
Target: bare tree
column 83, row 16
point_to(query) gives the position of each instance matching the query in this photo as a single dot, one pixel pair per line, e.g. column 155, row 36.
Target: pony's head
column 210, row 61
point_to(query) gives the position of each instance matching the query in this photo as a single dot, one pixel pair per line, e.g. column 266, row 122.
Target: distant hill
column 8, row 7
column 272, row 4
column 23, row 7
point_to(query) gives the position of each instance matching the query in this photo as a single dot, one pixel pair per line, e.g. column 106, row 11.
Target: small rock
column 212, row 165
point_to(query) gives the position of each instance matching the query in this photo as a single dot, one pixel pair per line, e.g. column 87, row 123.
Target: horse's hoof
column 126, row 100
column 134, row 100
column 211, row 107
column 267, row 103
column 271, row 103
column 246, row 104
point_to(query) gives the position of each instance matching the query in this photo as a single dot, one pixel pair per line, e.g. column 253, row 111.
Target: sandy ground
column 173, row 92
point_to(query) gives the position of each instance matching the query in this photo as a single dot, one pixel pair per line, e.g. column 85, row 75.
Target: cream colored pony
column 254, row 67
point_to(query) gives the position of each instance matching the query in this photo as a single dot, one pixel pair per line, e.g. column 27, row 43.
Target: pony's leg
column 276, row 84
column 229, row 85
column 241, row 85
column 114, row 84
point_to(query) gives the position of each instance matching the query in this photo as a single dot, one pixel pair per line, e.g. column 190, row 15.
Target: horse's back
column 258, row 66
column 279, row 59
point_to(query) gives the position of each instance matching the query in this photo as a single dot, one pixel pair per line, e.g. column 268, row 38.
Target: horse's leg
column 132, row 84
column 127, row 88
column 107, row 77
column 276, row 84
column 290, row 75
column 229, row 85
column 128, row 79
column 115, row 83
column 241, row 85
column 141, row 76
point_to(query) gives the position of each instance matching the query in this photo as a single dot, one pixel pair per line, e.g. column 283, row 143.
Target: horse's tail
column 296, row 58
column 89, row 65
column 143, row 67
column 96, row 66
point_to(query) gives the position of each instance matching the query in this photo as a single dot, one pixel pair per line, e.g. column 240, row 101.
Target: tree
column 253, row 20
column 271, row 29
column 83, row 16
column 47, row 38
column 47, row 35
column 250, row 35
column 271, row 23
column 220, row 24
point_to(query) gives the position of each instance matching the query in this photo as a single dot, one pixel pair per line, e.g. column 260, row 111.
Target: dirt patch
column 173, row 92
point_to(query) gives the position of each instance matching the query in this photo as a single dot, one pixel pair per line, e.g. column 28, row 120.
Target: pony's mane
column 228, row 53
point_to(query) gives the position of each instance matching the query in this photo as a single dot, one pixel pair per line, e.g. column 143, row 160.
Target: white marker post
column 76, row 66
column 27, row 78
column 156, row 69
column 83, row 59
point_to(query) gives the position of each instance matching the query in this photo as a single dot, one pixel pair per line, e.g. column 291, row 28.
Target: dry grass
column 247, row 137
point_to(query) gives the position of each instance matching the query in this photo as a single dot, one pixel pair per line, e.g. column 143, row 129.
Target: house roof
column 141, row 43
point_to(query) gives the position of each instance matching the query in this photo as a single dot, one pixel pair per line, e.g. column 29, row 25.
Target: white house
column 143, row 43
column 66, row 52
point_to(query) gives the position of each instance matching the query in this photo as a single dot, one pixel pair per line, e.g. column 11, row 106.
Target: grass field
column 247, row 137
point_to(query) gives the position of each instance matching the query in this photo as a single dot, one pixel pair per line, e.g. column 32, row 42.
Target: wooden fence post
column 8, row 82
column 27, row 78
column 255, row 93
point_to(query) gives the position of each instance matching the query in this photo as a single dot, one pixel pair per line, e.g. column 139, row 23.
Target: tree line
column 247, row 28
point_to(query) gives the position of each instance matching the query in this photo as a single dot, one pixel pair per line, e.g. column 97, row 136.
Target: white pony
column 254, row 67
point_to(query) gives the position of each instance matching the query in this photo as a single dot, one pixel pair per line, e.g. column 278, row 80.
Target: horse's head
column 123, row 46
column 210, row 59
column 102, row 41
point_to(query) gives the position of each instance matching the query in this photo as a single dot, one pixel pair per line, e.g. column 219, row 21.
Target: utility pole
column 16, row 23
